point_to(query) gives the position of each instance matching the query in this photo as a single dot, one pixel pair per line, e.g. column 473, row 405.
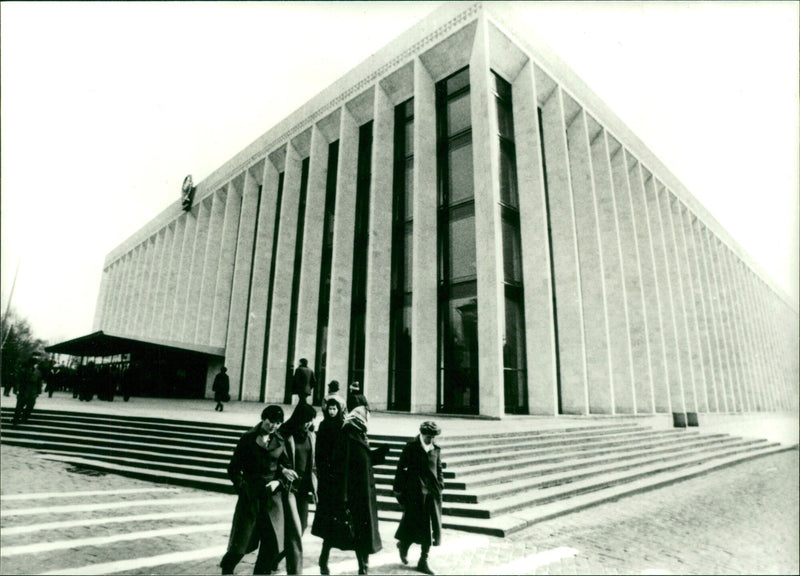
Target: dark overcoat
column 221, row 387
column 418, row 486
column 304, row 381
column 359, row 488
column 328, row 459
column 257, row 510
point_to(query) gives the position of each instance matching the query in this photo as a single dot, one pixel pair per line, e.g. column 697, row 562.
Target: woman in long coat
column 328, row 460
column 418, row 486
column 259, row 470
column 358, row 492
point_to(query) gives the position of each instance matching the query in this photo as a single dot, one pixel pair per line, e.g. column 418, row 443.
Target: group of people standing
column 278, row 468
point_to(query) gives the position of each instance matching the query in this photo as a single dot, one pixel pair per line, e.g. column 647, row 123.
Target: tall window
column 514, row 365
column 323, row 308
column 358, row 304
column 402, row 215
column 298, row 261
column 458, row 295
column 278, row 200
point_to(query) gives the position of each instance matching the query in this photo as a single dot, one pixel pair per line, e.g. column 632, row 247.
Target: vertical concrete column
column 308, row 299
column 665, row 282
column 726, row 325
column 733, row 318
column 719, row 368
column 772, row 315
column 677, row 265
column 227, row 260
column 132, row 299
column 189, row 328
column 735, row 335
column 112, row 295
column 170, row 302
column 599, row 378
column 145, row 268
column 101, row 305
column 342, row 260
column 379, row 267
column 121, row 265
column 726, row 381
column 698, row 312
column 489, row 242
column 284, row 276
column 148, row 284
column 641, row 372
column 742, row 331
column 259, row 287
column 208, row 286
column 569, row 309
column 242, row 272
column 163, row 280
column 126, row 286
column 110, row 299
column 653, row 283
column 535, row 243
column 184, row 272
column 748, row 320
column 616, row 297
column 157, row 247
column 424, row 281
column 758, row 340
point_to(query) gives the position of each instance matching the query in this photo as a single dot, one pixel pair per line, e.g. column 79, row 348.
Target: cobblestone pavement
column 741, row 520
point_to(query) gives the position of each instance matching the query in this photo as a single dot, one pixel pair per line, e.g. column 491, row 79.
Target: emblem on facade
column 187, row 193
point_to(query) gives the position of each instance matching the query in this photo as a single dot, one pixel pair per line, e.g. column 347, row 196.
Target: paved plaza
column 60, row 519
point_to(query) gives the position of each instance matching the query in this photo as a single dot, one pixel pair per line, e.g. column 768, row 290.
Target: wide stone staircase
column 494, row 483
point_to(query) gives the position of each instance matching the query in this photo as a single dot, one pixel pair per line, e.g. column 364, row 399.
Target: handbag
column 343, row 531
column 227, row 397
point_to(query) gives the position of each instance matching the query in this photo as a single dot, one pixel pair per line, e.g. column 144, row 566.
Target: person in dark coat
column 418, row 486
column 355, row 396
column 298, row 431
column 328, row 461
column 30, row 387
column 358, row 492
column 304, row 382
column 260, row 470
column 221, row 389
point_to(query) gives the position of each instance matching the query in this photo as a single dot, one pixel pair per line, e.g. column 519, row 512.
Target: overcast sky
column 106, row 107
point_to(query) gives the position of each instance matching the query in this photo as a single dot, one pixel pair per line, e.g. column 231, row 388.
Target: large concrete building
column 463, row 226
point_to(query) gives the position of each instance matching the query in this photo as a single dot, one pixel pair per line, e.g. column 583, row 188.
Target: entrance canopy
column 101, row 344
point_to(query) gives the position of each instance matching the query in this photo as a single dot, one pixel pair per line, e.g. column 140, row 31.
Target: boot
column 422, row 565
column 363, row 563
column 403, row 547
column 323, row 559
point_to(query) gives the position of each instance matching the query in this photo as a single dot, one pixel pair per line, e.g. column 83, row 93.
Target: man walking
column 418, row 486
column 221, row 389
column 304, row 382
column 30, row 386
column 260, row 471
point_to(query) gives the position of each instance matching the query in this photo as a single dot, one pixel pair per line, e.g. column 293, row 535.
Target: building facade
column 460, row 224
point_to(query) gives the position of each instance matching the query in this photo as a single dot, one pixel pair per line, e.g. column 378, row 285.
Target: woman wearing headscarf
column 298, row 431
column 329, row 463
column 355, row 484
column 418, row 486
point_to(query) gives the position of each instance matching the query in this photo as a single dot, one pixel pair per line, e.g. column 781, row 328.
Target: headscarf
column 357, row 417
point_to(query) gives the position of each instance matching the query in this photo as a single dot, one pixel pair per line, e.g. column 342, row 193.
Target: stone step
column 533, row 477
column 515, row 520
column 541, row 496
column 485, row 493
column 556, row 443
column 570, row 450
column 492, row 473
